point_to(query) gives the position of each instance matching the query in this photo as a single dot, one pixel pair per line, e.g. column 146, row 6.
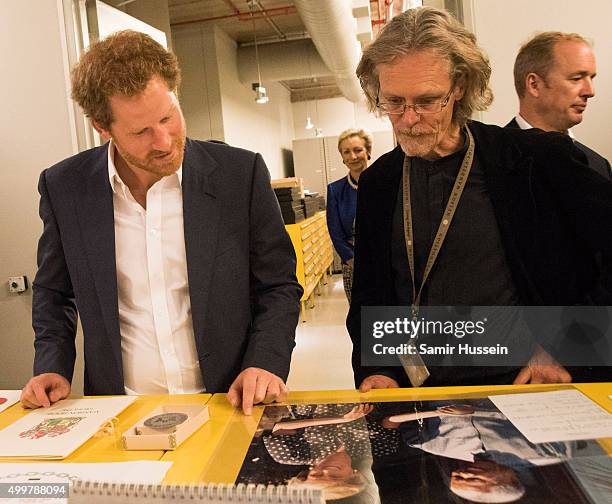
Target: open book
column 55, row 432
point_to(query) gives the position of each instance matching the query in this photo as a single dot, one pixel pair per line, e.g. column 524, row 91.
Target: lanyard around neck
column 413, row 363
column 444, row 225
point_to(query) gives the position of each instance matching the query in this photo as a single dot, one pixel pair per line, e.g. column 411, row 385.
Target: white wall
column 264, row 128
column 152, row 12
column 111, row 20
column 501, row 27
column 218, row 106
column 334, row 115
column 35, row 132
column 200, row 94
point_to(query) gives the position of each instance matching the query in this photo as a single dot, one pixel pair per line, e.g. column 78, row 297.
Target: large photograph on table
column 462, row 450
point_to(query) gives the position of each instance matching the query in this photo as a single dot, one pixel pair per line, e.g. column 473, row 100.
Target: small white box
column 197, row 416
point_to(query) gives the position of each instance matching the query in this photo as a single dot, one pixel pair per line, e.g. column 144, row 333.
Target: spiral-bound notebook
column 87, row 492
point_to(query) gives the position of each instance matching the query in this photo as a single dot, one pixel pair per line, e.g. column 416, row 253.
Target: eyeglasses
column 399, row 108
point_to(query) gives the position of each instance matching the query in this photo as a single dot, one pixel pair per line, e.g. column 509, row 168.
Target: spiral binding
column 211, row 492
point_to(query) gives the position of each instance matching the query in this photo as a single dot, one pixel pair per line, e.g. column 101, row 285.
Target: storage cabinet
column 314, row 254
column 318, row 162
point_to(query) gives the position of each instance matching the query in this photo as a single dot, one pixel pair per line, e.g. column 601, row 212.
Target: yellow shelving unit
column 314, row 254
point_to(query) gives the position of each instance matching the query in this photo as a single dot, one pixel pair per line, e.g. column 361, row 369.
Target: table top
column 216, row 452
column 108, row 448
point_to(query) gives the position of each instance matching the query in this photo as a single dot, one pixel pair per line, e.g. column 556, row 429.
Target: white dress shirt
column 488, row 432
column 525, row 125
column 157, row 341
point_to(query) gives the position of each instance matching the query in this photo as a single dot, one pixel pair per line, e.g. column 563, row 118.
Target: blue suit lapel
column 97, row 224
column 201, row 216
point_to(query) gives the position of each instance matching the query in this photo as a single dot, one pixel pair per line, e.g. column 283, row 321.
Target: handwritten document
column 562, row 415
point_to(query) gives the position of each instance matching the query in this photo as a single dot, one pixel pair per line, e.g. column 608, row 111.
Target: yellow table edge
column 216, row 453
column 108, row 447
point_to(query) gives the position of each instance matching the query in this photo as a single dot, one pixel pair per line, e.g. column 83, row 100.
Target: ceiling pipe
column 332, row 29
column 399, row 6
column 381, row 10
column 394, row 8
column 272, row 24
column 274, row 39
column 232, row 6
column 246, row 17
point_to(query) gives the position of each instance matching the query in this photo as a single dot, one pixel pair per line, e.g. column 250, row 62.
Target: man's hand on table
column 377, row 382
column 44, row 390
column 542, row 368
column 253, row 386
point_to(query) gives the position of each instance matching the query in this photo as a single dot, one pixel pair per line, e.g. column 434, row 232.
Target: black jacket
column 554, row 215
column 596, row 162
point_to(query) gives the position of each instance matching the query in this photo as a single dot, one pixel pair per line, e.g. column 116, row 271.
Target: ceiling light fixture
column 309, row 124
column 261, row 96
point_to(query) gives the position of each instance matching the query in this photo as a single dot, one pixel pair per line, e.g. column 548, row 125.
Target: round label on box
column 165, row 420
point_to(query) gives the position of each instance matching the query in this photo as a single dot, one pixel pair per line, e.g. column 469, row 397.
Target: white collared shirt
column 525, row 125
column 157, row 339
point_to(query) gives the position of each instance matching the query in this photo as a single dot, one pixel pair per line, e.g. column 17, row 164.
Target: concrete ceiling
column 233, row 16
column 272, row 21
column 278, row 19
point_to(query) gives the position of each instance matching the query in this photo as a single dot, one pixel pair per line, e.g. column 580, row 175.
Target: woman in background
column 355, row 146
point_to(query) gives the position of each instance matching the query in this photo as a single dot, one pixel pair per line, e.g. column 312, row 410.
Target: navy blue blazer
column 240, row 264
column 341, row 208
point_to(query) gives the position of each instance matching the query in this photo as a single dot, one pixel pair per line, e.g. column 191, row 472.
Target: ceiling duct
column 333, row 30
column 297, row 59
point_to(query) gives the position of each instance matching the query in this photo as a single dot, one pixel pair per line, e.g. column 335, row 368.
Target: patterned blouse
column 361, row 438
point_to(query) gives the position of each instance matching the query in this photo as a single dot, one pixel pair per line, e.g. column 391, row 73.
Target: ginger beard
column 148, row 129
column 157, row 162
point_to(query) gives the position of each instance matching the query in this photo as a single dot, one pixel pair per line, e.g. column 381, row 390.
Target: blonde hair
column 537, row 56
column 121, row 64
column 361, row 133
column 428, row 28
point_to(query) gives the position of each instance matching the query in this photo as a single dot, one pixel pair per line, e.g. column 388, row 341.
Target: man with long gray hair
column 463, row 213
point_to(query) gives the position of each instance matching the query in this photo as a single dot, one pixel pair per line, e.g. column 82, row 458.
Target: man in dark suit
column 172, row 250
column 462, row 213
column 553, row 77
